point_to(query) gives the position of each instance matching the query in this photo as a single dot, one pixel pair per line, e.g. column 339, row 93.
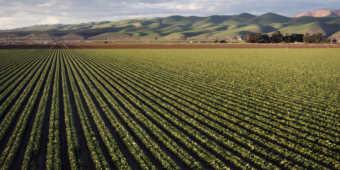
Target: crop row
column 21, row 66
column 230, row 97
column 188, row 143
column 19, row 101
column 92, row 142
column 150, row 82
column 209, row 99
column 234, row 75
column 131, row 115
column 11, row 89
column 193, row 102
column 165, row 139
column 13, row 144
column 11, row 59
column 161, row 156
column 53, row 156
column 33, row 146
column 211, row 133
column 125, row 136
column 71, row 133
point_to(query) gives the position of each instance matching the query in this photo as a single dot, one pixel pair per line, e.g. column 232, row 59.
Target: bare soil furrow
column 63, row 138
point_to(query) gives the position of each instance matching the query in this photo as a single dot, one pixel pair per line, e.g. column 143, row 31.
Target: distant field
column 170, row 109
column 173, row 45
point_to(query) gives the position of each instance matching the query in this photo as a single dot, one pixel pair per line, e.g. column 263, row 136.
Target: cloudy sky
column 21, row 13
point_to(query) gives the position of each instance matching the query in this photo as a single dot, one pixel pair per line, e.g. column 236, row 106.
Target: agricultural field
column 169, row 45
column 170, row 108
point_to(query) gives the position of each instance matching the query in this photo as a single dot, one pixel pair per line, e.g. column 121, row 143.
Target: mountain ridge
column 320, row 13
column 180, row 27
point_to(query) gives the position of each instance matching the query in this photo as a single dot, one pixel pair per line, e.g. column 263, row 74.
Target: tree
column 306, row 38
column 316, row 38
column 277, row 37
column 286, row 38
column 216, row 41
column 296, row 37
column 250, row 38
column 223, row 41
column 319, row 38
column 334, row 41
column 258, row 38
column 265, row 38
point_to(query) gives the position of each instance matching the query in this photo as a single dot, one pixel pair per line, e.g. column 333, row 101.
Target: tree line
column 277, row 37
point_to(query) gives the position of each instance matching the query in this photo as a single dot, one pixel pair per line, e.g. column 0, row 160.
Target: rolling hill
column 313, row 27
column 180, row 27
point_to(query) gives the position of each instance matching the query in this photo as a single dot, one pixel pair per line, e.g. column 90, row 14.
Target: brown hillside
column 320, row 13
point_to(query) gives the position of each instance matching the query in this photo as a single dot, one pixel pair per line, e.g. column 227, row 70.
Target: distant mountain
column 320, row 13
column 180, row 27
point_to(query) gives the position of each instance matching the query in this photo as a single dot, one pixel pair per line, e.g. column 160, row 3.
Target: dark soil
column 63, row 136
column 41, row 157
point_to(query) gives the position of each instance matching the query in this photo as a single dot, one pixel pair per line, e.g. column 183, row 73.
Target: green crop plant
column 170, row 109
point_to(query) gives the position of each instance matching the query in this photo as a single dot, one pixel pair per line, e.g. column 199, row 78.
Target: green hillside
column 240, row 31
column 269, row 18
column 314, row 27
column 191, row 26
column 337, row 34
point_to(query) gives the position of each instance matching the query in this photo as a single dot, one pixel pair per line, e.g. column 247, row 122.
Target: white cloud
column 5, row 23
column 193, row 6
column 45, row 5
column 49, row 20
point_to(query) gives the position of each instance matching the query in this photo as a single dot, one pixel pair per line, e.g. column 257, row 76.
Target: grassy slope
column 269, row 18
column 314, row 27
column 337, row 34
column 179, row 35
column 236, row 32
column 335, row 23
column 114, row 34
